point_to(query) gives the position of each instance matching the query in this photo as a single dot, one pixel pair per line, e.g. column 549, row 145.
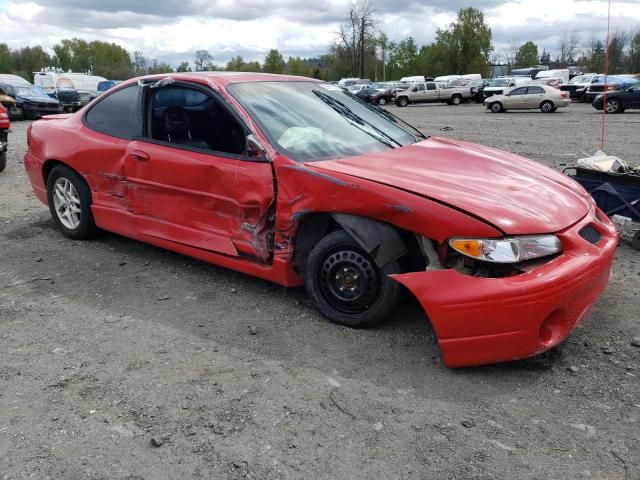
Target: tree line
column 360, row 49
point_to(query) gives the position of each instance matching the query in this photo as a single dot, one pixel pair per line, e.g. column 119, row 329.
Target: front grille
column 68, row 96
column 590, row 234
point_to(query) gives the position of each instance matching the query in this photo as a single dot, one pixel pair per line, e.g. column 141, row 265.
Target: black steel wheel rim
column 349, row 281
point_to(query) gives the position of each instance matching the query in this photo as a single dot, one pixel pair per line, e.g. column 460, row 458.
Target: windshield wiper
column 346, row 112
column 395, row 119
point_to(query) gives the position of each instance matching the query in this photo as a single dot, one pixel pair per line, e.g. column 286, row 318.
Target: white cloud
column 172, row 30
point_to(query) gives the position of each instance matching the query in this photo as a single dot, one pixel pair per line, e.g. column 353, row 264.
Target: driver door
column 517, row 98
column 190, row 180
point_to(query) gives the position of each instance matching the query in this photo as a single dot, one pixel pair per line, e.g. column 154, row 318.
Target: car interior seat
column 177, row 126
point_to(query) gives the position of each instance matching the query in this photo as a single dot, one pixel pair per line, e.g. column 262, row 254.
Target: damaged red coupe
column 298, row 182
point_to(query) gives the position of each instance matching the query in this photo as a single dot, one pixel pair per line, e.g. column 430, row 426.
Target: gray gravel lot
column 109, row 346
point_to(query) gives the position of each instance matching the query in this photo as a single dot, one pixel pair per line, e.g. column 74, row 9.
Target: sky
column 172, row 30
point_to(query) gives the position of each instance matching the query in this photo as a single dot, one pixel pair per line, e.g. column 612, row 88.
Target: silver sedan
column 530, row 97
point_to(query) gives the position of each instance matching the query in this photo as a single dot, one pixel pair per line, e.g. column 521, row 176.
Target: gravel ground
column 119, row 360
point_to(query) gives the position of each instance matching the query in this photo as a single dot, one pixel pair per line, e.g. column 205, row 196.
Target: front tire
column 3, row 160
column 402, row 102
column 382, row 101
column 496, row 107
column 547, row 107
column 346, row 285
column 70, row 203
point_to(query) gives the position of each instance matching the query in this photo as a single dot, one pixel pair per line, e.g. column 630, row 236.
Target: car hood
column 39, row 99
column 516, row 195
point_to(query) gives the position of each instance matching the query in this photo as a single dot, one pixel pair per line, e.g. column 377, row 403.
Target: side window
column 188, row 117
column 431, row 86
column 535, row 90
column 117, row 114
column 420, row 88
column 519, row 91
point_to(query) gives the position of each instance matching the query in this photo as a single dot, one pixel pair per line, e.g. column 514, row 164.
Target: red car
column 5, row 125
column 297, row 182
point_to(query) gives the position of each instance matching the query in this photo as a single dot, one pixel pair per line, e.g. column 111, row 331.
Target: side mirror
column 630, row 89
column 254, row 147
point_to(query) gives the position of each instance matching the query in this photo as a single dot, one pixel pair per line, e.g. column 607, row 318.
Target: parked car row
column 51, row 93
column 548, row 91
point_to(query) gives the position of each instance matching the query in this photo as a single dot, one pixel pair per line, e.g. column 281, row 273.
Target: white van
column 561, row 73
column 413, row 79
column 86, row 85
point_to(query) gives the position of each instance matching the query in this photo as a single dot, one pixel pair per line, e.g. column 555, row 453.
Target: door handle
column 139, row 155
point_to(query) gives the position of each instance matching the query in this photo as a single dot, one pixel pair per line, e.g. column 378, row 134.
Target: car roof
column 224, row 79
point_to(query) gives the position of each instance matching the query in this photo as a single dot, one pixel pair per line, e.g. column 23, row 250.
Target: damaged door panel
column 207, row 201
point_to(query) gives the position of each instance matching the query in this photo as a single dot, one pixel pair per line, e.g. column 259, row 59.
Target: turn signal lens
column 471, row 248
column 507, row 250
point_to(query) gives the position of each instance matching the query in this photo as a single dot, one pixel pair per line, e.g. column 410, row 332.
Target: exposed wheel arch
column 383, row 240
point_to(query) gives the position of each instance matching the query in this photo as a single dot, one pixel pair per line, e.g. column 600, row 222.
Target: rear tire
column 613, row 105
column 3, row 161
column 456, row 100
column 496, row 107
column 69, row 200
column 347, row 286
column 547, row 107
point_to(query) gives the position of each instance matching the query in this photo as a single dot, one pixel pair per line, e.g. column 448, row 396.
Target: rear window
column 117, row 114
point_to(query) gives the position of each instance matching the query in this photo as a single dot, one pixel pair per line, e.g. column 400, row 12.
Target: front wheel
column 70, row 203
column 402, row 102
column 496, row 107
column 346, row 285
column 382, row 101
column 3, row 160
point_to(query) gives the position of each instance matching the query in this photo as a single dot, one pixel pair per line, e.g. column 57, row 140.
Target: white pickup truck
column 433, row 92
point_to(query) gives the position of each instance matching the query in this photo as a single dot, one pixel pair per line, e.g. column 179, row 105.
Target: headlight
column 507, row 250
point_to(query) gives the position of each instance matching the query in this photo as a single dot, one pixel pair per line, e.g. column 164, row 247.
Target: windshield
column 31, row 92
column 319, row 121
column 498, row 82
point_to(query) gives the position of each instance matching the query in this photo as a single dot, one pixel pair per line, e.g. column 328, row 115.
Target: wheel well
column 315, row 226
column 50, row 165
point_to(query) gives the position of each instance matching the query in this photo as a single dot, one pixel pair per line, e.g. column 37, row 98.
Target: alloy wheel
column 66, row 203
column 612, row 106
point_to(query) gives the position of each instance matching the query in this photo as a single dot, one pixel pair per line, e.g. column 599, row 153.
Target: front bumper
column 489, row 320
column 33, row 110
